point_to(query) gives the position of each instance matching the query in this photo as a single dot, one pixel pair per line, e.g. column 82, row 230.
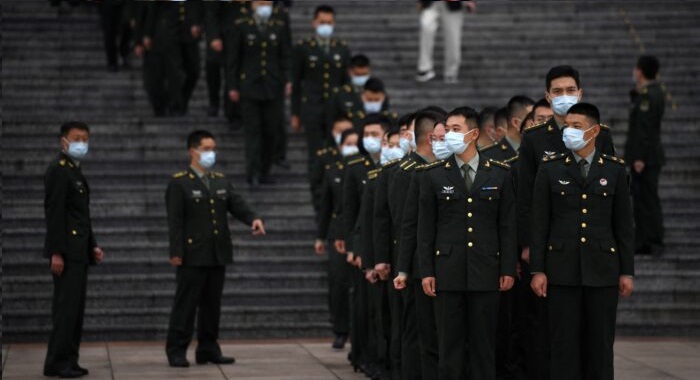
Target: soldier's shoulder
column 512, row 160
column 373, row 174
column 553, row 157
column 433, row 165
column 409, row 164
column 347, row 89
column 354, row 160
column 180, row 176
column 391, row 163
column 498, row 164
column 605, row 127
column 535, row 127
column 617, row 160
column 339, row 41
column 488, row 147
column 243, row 19
column 321, row 152
column 218, row 175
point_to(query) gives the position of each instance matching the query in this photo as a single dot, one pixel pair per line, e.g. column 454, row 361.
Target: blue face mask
column 455, row 141
column 359, row 80
column 372, row 144
column 573, row 138
column 77, row 149
column 324, row 30
column 207, row 159
column 337, row 138
column 390, row 154
column 349, row 150
column 264, row 11
column 561, row 104
column 440, row 150
column 373, row 107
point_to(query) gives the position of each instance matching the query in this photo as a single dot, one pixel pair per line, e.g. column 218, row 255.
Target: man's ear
column 514, row 123
column 580, row 94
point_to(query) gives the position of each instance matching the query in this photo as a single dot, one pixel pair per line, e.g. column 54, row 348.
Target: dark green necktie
column 583, row 164
column 467, row 178
column 205, row 179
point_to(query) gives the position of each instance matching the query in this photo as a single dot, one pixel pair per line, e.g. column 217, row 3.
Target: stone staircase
column 53, row 70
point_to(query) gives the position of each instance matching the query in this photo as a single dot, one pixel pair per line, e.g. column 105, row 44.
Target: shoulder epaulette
column 179, row 175
column 536, row 126
column 486, row 148
column 218, row 174
column 372, row 174
column 62, row 162
column 356, row 161
column 339, row 165
column 347, row 88
column 321, row 152
column 499, row 163
column 391, row 163
column 553, row 157
column 433, row 164
column 512, row 159
column 613, row 158
column 504, row 147
column 410, row 165
column 604, row 126
column 241, row 20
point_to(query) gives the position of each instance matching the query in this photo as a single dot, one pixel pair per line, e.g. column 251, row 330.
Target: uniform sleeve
column 381, row 235
column 233, row 58
column 196, row 12
column 541, row 216
column 623, row 222
column 239, row 208
column 365, row 227
column 526, row 179
column 286, row 48
column 427, row 224
column 351, row 204
column 297, row 75
column 409, row 222
column 140, row 10
column 56, row 189
column 507, row 225
column 642, row 136
column 175, row 207
column 150, row 19
column 212, row 20
column 325, row 209
column 605, row 142
column 346, row 66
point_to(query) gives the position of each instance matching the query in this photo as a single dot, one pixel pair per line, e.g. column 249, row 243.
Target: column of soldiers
column 484, row 245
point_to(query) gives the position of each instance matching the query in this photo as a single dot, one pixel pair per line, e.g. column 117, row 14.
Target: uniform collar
column 197, row 172
column 473, row 163
column 514, row 144
column 589, row 158
column 73, row 161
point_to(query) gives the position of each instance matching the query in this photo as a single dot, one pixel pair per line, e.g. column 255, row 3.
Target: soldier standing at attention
column 320, row 65
column 582, row 252
column 467, row 248
column 258, row 66
column 70, row 245
column 197, row 202
column 645, row 155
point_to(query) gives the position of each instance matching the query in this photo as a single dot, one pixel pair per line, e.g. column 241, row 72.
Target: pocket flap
column 444, row 250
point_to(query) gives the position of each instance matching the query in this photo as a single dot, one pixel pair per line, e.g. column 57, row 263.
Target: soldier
column 319, row 72
column 645, row 155
column 582, row 252
column 519, row 107
column 174, row 27
column 325, row 157
column 542, row 111
column 467, row 248
column 487, row 128
column 502, row 150
column 70, row 246
column 197, row 202
column 258, row 71
column 349, row 99
column 329, row 229
column 114, row 19
column 220, row 19
column 142, row 48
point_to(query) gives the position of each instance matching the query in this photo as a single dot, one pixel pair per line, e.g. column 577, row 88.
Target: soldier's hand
column 506, row 283
column 176, row 261
column 98, row 254
column 358, row 262
column 638, row 166
column 383, row 270
column 296, row 123
column 288, row 89
column 147, row 43
column 539, row 284
column 350, row 258
column 429, row 286
column 626, row 286
column 258, row 227
column 139, row 50
column 340, row 246
column 400, row 282
column 371, row 276
column 196, row 31
column 525, row 254
column 217, row 45
column 319, row 247
column 57, row 264
column 234, row 95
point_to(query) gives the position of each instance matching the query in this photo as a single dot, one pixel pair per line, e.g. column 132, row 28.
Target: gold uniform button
column 584, row 196
column 447, row 198
column 264, row 44
column 326, row 85
column 470, row 229
column 584, row 225
column 585, row 211
column 263, row 62
column 470, row 244
column 612, row 250
column 437, row 253
column 213, row 222
column 326, row 75
column 216, row 232
column 470, row 200
column 263, row 72
column 583, row 240
column 211, row 201
column 213, row 211
column 469, row 215
column 189, row 241
column 550, row 248
column 263, row 53
column 563, row 193
column 74, row 232
column 325, row 66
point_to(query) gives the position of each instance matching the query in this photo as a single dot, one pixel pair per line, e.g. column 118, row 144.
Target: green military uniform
column 258, row 67
column 68, row 233
column 582, row 239
column 420, row 347
column 199, row 234
column 467, row 240
column 319, row 72
column 644, row 144
column 329, row 229
column 348, row 103
column 220, row 18
column 175, row 50
column 500, row 151
column 324, row 158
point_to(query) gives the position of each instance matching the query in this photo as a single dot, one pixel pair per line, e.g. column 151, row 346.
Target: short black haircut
column 359, row 60
column 561, row 72
column 530, row 117
column 425, row 123
column 501, row 116
column 71, row 125
column 541, row 103
column 374, row 85
column 324, row 8
column 194, row 140
column 518, row 103
column 467, row 113
column 485, row 114
column 585, row 109
column 406, row 119
column 375, row 118
column 392, row 131
column 437, row 109
column 341, row 118
column 649, row 66
column 346, row 133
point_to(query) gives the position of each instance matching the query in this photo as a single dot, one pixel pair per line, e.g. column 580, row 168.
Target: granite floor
column 635, row 359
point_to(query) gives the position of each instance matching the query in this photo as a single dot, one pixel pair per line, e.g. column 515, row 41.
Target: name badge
column 336, row 57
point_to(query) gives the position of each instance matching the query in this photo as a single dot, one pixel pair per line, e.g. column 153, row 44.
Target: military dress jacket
column 466, row 239
column 583, row 229
column 330, row 213
column 354, row 184
column 644, row 133
column 198, row 221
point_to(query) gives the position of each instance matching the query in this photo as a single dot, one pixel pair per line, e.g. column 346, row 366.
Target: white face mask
column 77, row 149
column 359, row 80
column 337, row 138
column 440, row 150
column 349, row 150
column 207, row 159
column 573, row 138
column 561, row 104
column 408, row 144
column 264, row 11
column 372, row 144
column 390, row 154
column 455, row 141
column 373, row 107
column 324, row 30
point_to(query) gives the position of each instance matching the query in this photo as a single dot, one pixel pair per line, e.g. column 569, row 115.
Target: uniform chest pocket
column 564, row 190
column 195, row 196
column 447, row 194
column 604, row 191
column 490, row 193
column 221, row 194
